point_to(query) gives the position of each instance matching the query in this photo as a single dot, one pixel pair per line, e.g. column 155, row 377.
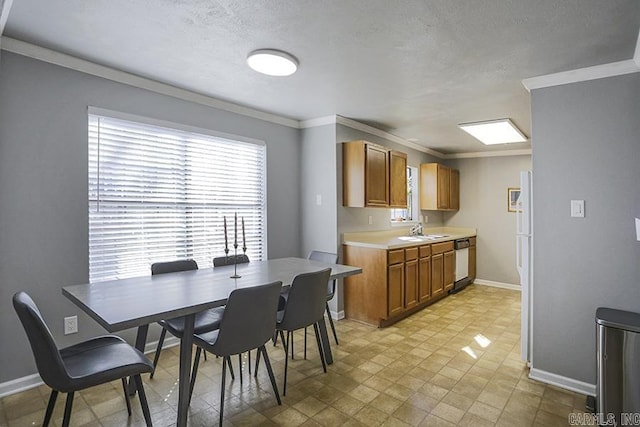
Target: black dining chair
column 248, row 322
column 205, row 321
column 97, row 361
column 305, row 304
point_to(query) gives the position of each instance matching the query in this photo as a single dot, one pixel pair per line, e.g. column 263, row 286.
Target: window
column 410, row 214
column 159, row 194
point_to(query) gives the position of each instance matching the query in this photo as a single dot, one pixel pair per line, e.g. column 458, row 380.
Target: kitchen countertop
column 399, row 238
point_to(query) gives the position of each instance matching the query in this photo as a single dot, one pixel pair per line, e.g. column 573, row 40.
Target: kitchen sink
column 422, row 238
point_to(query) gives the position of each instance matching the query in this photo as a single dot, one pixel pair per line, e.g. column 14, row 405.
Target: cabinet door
column 472, row 262
column 424, row 279
column 395, row 289
column 376, row 176
column 449, row 270
column 444, row 184
column 398, row 180
column 411, row 283
column 454, row 190
column 437, row 275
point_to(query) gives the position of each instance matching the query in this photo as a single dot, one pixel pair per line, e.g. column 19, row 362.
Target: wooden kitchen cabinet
column 373, row 176
column 397, row 180
column 472, row 259
column 424, row 274
column 449, row 270
column 395, row 282
column 439, row 187
column 411, row 277
column 443, row 268
column 437, row 275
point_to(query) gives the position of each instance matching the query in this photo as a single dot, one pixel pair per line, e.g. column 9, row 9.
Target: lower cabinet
column 395, row 283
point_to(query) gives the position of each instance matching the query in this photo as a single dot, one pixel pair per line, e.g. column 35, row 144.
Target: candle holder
column 235, row 262
column 235, row 245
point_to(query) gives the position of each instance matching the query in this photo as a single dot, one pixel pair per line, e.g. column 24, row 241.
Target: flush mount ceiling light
column 491, row 132
column 272, row 62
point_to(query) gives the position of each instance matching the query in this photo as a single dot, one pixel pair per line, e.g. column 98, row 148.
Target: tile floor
column 426, row 370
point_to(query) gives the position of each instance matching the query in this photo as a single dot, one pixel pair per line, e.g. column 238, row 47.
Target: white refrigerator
column 524, row 260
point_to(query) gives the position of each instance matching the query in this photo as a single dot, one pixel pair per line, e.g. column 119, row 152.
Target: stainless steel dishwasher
column 461, row 247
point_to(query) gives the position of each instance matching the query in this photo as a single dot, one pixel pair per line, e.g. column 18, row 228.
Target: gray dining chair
column 248, row 322
column 97, row 361
column 230, row 260
column 205, row 321
column 305, row 305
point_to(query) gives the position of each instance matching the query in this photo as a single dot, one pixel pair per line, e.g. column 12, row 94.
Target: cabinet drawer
column 411, row 253
column 396, row 256
column 425, row 251
column 438, row 248
column 472, row 241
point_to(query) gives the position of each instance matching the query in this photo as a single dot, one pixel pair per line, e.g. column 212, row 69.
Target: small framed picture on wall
column 512, row 199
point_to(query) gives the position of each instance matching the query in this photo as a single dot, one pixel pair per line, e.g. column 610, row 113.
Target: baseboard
column 498, row 284
column 562, row 382
column 34, row 380
column 339, row 315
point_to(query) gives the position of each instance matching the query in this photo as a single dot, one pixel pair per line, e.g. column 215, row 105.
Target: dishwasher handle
column 461, row 244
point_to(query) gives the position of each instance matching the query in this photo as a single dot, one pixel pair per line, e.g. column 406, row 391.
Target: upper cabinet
column 373, row 176
column 439, row 187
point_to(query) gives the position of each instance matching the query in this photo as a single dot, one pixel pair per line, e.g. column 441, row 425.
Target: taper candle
column 226, row 245
column 244, row 240
column 235, row 230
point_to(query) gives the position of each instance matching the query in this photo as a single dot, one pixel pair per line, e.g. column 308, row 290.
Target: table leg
column 141, row 341
column 326, row 345
column 186, row 343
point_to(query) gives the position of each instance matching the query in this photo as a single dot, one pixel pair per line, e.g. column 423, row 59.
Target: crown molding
column 503, row 153
column 583, row 74
column 53, row 57
column 71, row 62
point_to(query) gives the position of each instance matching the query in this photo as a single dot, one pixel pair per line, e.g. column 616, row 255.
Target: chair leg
column 126, row 396
column 305, row 343
column 282, row 337
column 272, row 378
column 156, row 357
column 143, row 400
column 240, row 366
column 228, row 360
column 255, row 370
column 291, row 332
column 286, row 364
column 249, row 361
column 50, row 406
column 333, row 328
column 194, row 372
column 67, row 410
column 224, row 376
column 205, row 356
column 317, row 331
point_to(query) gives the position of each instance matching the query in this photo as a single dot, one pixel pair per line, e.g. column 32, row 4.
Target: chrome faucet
column 416, row 230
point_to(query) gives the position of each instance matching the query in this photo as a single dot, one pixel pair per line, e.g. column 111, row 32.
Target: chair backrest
column 230, row 260
column 307, row 299
column 329, row 258
column 45, row 351
column 173, row 266
column 249, row 319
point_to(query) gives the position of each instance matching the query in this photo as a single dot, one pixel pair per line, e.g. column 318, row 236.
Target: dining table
column 137, row 302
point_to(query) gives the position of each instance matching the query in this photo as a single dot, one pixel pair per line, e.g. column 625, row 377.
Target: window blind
column 160, row 194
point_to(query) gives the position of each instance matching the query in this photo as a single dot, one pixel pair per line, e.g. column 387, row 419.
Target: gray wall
column 586, row 145
column 483, row 205
column 43, row 186
column 318, row 178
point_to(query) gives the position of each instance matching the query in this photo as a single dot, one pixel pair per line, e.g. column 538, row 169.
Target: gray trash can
column 618, row 352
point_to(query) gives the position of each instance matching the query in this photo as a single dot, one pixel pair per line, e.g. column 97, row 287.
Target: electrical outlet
column 71, row 325
column 370, row 219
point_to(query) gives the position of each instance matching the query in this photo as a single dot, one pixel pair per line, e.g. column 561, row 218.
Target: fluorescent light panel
column 501, row 131
column 272, row 62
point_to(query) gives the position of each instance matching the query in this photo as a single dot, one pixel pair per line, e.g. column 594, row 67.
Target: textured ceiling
column 413, row 68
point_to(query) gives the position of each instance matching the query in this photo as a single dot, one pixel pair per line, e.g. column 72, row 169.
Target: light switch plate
column 577, row 208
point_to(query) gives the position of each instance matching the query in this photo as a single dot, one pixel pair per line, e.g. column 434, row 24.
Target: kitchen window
column 159, row 191
column 411, row 212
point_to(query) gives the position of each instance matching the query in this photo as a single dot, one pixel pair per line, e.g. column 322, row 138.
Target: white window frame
column 412, row 198
column 209, row 239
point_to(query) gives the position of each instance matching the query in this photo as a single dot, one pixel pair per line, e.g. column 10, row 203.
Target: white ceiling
column 413, row 68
